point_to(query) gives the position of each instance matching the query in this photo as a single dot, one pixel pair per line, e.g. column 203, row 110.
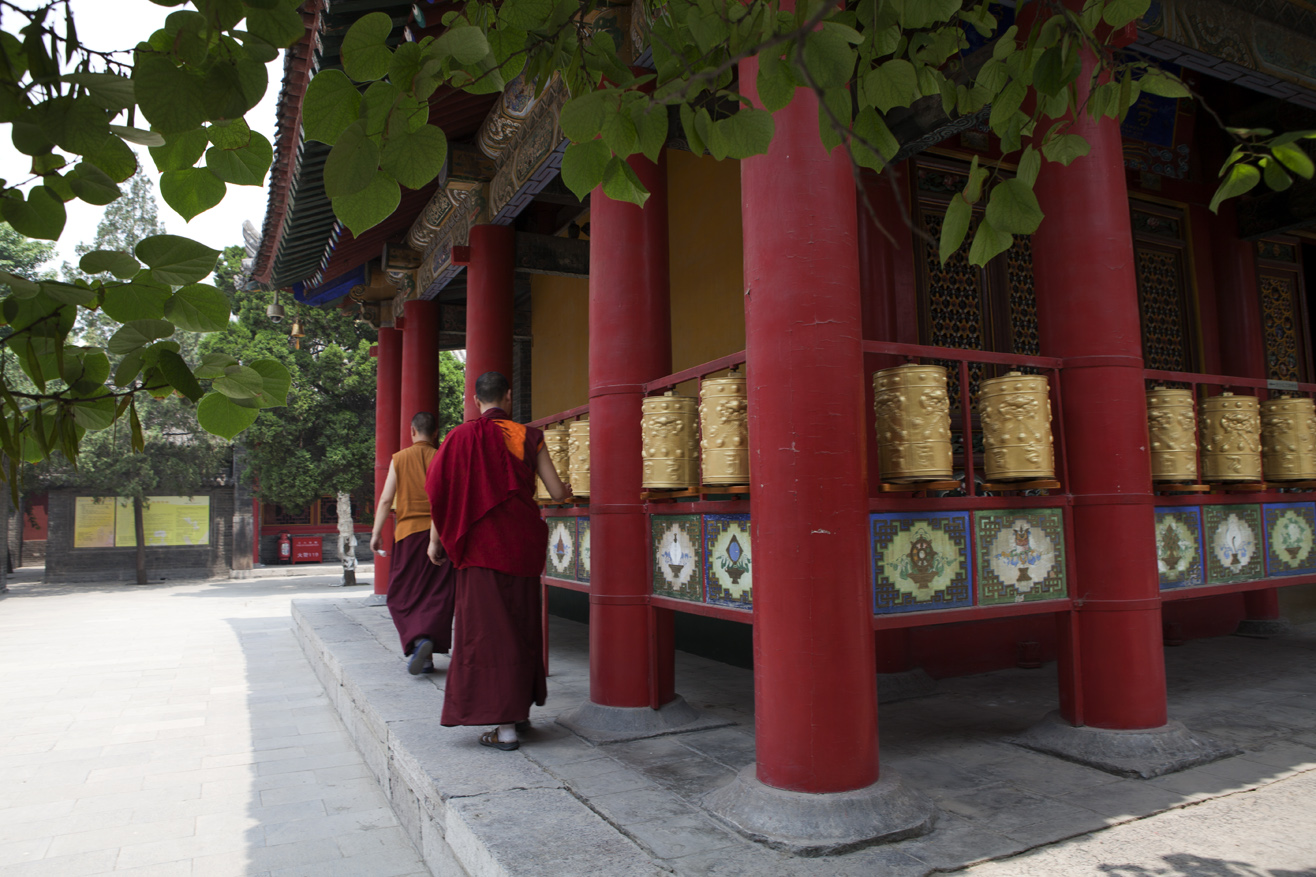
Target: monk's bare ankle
column 507, row 733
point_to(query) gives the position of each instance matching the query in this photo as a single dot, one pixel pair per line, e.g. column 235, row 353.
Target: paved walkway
column 179, row 730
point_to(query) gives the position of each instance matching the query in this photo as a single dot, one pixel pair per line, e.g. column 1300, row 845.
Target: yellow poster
column 93, row 522
column 167, row 520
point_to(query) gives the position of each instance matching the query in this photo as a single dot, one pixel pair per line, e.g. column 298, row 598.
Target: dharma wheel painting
column 677, row 557
column 1179, row 547
column 1233, row 539
column 728, row 561
column 562, row 548
column 582, row 550
column 920, row 561
column 1020, row 554
column 1290, row 530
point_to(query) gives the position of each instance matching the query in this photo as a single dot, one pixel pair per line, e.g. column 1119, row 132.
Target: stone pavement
column 178, row 730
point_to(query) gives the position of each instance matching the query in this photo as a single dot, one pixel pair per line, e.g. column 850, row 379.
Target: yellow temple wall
column 707, row 288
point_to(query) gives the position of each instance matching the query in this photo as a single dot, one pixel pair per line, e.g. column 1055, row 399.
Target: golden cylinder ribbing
column 1288, row 439
column 912, row 414
column 668, row 445
column 578, row 456
column 1172, row 430
column 724, row 424
column 1231, row 438
column 1016, row 428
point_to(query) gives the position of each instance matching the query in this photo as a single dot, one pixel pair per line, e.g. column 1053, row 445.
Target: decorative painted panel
column 1280, row 315
column 728, row 561
column 582, row 550
column 1290, row 531
column 678, row 557
column 1020, row 555
column 920, row 561
column 562, row 548
column 1160, row 295
column 1179, row 547
column 1233, row 543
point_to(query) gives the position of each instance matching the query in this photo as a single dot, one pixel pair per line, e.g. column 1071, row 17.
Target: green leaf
column 365, row 52
column 869, row 128
column 179, row 376
column 108, row 90
column 1013, row 209
column 1120, row 12
column 1275, row 176
column 467, row 45
column 239, row 382
column 582, row 117
column 171, row 98
column 21, row 287
column 68, row 293
column 233, row 134
column 414, row 158
column 775, row 81
column 619, row 131
column 525, row 14
column 40, row 216
column 92, row 185
column 621, row 184
column 94, row 414
column 1007, row 103
column 135, row 301
column 651, row 128
column 231, row 88
column 583, row 165
column 136, row 334
column 829, row 57
column 748, row 132
column 988, row 242
column 213, row 365
column 330, row 104
column 958, row 214
column 198, row 308
column 280, row 26
column 176, row 260
column 352, row 164
column 370, row 206
column 1159, row 82
column 219, row 416
column 1241, row 178
column 181, row 150
column 245, row 165
column 893, row 84
column 192, row 191
column 129, row 368
column 1048, row 71
column 137, row 135
column 1293, row 158
column 1029, row 165
column 122, row 265
column 277, row 382
column 1065, row 148
column 114, row 158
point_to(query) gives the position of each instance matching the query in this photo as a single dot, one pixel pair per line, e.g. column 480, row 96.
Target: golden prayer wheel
column 668, row 443
column 724, row 423
column 1231, row 438
column 1288, row 439
column 578, row 456
column 913, row 423
column 1173, row 432
column 1016, row 428
column 556, row 440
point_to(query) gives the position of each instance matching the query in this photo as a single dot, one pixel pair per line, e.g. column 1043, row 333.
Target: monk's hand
column 376, row 541
column 436, row 553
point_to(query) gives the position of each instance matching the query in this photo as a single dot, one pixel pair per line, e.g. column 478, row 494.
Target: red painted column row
column 814, row 678
column 1087, row 307
column 630, row 343
column 420, row 365
column 388, row 388
column 489, row 303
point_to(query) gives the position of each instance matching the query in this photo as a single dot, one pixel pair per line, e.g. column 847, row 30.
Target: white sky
column 107, row 25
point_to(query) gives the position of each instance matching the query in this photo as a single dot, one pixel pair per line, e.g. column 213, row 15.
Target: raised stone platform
column 562, row 805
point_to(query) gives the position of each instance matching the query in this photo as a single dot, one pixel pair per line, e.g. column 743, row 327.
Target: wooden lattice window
column 1283, row 310
column 1165, row 300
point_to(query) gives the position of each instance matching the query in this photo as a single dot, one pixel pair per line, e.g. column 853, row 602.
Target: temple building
column 879, row 469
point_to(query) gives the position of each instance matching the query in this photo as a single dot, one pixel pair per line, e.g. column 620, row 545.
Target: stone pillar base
column 893, row 687
column 821, row 825
column 614, row 724
column 375, row 600
column 1261, row 628
column 1143, row 753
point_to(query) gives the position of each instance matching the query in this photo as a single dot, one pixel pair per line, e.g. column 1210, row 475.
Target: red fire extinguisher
column 285, row 548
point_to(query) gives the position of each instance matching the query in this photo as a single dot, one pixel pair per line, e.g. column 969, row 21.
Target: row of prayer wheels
column 912, row 410
column 1241, row 436
column 672, row 449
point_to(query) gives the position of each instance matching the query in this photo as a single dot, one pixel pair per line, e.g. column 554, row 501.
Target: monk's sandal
column 490, row 738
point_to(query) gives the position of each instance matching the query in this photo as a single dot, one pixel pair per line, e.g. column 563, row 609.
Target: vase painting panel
column 561, row 548
column 920, row 561
column 1234, row 550
column 1020, row 555
column 728, row 561
column 677, row 552
column 1179, row 547
column 1290, row 538
column 582, row 550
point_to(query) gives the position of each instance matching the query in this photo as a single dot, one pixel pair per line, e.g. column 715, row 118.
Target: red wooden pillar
column 388, row 395
column 489, row 304
column 814, row 679
column 1087, row 306
column 420, row 365
column 630, row 342
column 1242, row 340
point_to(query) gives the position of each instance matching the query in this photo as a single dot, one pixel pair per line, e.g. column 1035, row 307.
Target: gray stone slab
column 556, row 834
column 457, row 765
column 1142, row 753
column 610, row 724
column 640, row 805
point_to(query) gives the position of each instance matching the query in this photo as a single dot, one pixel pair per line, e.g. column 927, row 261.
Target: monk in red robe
column 420, row 594
column 485, row 521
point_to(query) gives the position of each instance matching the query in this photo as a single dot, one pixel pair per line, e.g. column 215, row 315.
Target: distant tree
column 452, row 386
column 24, row 256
